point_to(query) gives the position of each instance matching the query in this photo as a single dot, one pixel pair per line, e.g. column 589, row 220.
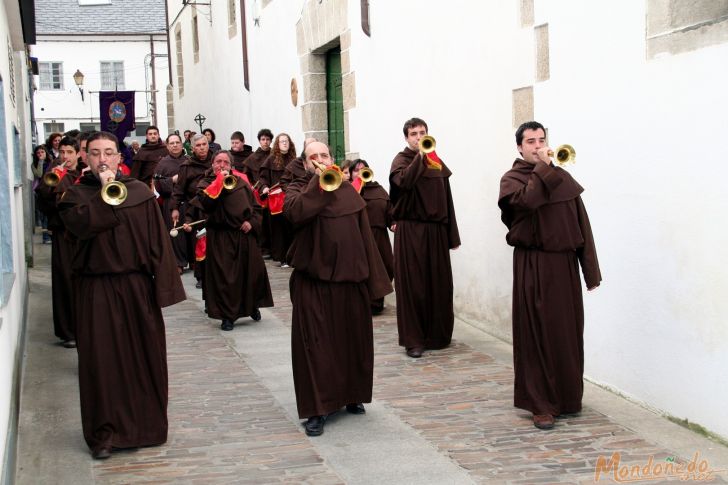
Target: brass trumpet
column 330, row 179
column 229, row 182
column 53, row 177
column 427, row 144
column 114, row 193
column 564, row 154
column 366, row 174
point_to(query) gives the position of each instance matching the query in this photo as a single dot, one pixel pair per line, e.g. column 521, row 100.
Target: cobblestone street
column 445, row 418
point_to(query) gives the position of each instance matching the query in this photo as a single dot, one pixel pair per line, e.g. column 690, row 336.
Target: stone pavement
column 446, row 418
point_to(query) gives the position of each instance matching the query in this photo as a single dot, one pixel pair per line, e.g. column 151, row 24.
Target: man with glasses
column 125, row 271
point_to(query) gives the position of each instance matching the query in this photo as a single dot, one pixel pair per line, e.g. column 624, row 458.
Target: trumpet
column 114, row 193
column 331, row 178
column 229, row 182
column 564, row 154
column 174, row 232
column 53, row 176
column 366, row 174
column 427, row 144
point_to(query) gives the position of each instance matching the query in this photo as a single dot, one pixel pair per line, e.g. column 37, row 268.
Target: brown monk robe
column 239, row 158
column 379, row 211
column 62, row 249
column 549, row 229
column 251, row 168
column 426, row 231
column 146, row 159
column 167, row 168
column 270, row 174
column 190, row 173
column 236, row 280
column 337, row 271
column 125, row 272
column 293, row 170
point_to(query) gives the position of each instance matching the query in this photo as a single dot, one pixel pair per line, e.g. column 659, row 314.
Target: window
column 52, row 127
column 180, row 67
column 141, row 128
column 676, row 26
column 51, row 76
column 231, row 13
column 232, row 21
column 11, row 72
column 89, row 126
column 195, row 38
column 81, row 3
column 112, row 75
column 7, row 268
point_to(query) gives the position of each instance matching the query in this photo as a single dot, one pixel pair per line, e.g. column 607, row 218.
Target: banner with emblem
column 117, row 112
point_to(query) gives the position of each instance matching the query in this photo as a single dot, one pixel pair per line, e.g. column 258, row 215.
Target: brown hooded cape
column 146, row 159
column 426, row 231
column 337, row 271
column 125, row 272
column 550, row 231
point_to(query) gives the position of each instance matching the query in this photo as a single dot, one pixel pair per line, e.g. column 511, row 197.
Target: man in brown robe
column 165, row 177
column 379, row 210
column 338, row 271
column 236, row 280
column 239, row 150
column 251, row 168
column 190, row 173
column 425, row 232
column 63, row 244
column 549, row 229
column 125, row 272
column 146, row 159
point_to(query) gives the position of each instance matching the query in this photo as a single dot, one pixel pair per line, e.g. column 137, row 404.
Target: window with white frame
column 112, row 75
column 51, row 76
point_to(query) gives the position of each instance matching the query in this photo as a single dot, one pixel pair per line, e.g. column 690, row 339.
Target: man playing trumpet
column 425, row 231
column 337, row 271
column 549, row 230
column 125, row 271
column 54, row 183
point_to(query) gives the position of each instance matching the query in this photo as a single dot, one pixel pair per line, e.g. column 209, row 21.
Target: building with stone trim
column 116, row 45
column 636, row 87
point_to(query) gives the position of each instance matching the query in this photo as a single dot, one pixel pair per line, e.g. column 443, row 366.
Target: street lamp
column 78, row 79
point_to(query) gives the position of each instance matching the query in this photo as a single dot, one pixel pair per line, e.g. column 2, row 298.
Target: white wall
column 85, row 54
column 214, row 85
column 12, row 311
column 648, row 135
column 644, row 132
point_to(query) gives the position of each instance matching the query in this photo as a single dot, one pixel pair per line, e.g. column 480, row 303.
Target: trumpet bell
column 330, row 179
column 565, row 154
column 51, row 178
column 366, row 174
column 230, row 182
column 427, row 144
column 114, row 193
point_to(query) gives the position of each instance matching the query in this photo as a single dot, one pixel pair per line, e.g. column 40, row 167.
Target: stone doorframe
column 323, row 26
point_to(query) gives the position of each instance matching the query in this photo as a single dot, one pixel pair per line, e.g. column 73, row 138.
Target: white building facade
column 636, row 87
column 117, row 45
column 16, row 219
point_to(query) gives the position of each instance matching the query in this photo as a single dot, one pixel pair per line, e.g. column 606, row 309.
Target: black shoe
column 101, row 453
column 69, row 344
column 227, row 325
column 256, row 315
column 315, row 425
column 415, row 352
column 198, row 285
column 355, row 408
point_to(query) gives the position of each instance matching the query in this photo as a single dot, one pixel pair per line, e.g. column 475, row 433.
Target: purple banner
column 117, row 112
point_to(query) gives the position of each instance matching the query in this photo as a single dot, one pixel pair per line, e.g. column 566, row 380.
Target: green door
column 335, row 104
